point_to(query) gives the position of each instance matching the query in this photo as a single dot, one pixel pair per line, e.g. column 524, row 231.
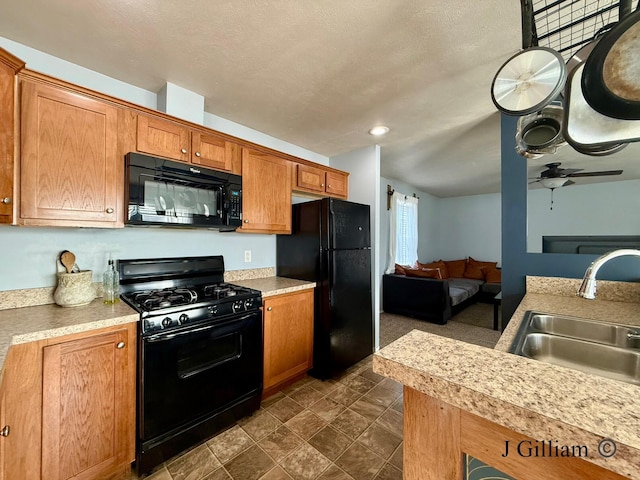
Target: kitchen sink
column 605, row 349
column 583, row 329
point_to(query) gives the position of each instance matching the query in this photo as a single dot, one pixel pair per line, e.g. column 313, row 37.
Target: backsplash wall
column 29, row 253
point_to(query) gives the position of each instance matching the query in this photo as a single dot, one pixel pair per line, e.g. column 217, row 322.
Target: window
column 403, row 231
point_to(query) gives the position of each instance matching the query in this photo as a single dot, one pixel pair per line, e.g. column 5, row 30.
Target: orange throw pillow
column 400, row 270
column 424, row 272
column 456, row 267
column 492, row 275
column 475, row 272
column 478, row 263
column 444, row 273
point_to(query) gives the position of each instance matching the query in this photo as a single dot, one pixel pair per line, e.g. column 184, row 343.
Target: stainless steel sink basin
column 597, row 358
column 605, row 349
column 583, row 329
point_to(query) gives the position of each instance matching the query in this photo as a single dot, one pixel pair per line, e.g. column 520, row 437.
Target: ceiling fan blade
column 535, row 181
column 559, row 172
column 570, row 171
column 569, row 182
column 596, row 174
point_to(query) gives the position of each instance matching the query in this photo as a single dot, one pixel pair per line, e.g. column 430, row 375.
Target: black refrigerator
column 330, row 244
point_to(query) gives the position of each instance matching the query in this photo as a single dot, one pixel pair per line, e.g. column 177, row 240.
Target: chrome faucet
column 588, row 287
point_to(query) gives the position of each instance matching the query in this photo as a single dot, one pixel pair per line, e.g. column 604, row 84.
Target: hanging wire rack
column 566, row 25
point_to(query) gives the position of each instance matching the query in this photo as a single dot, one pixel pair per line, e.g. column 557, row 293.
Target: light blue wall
column 608, row 208
column 470, row 227
column 28, row 254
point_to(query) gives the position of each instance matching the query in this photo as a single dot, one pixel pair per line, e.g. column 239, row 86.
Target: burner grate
column 171, row 297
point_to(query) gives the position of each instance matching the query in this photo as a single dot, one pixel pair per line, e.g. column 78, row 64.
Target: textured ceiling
column 315, row 74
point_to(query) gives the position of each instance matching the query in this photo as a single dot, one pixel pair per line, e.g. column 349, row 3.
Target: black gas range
column 199, row 352
column 174, row 307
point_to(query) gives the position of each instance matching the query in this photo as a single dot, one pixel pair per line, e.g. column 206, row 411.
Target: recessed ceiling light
column 379, row 130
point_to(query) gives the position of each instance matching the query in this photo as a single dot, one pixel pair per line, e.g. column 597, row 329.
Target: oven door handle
column 163, row 337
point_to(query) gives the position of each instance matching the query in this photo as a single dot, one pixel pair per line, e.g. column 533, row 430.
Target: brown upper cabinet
column 266, row 193
column 157, row 136
column 9, row 66
column 62, row 149
column 71, row 173
column 310, row 179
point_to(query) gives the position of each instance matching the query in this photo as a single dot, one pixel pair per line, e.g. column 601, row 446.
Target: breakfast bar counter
column 464, row 398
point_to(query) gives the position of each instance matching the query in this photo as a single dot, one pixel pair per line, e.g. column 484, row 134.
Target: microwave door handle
column 163, row 337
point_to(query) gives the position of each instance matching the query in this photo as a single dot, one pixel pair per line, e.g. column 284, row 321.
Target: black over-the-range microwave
column 168, row 193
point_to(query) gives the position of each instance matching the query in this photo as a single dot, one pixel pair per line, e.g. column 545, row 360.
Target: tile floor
column 344, row 429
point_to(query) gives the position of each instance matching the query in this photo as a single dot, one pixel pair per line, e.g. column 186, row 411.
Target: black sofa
column 433, row 300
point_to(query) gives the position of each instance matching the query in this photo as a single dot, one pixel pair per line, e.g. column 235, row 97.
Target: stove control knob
column 184, row 318
column 237, row 305
column 213, row 309
column 166, row 322
column 248, row 304
column 148, row 326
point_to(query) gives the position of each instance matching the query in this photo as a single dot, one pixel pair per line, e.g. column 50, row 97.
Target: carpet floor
column 473, row 325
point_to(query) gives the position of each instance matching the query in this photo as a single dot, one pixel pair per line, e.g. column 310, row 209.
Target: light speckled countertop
column 29, row 324
column 270, row 286
column 30, row 315
column 537, row 399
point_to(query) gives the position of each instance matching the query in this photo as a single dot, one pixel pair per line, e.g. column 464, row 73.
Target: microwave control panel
column 235, row 203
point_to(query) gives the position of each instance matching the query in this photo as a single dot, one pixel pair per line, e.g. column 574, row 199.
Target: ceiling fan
column 555, row 176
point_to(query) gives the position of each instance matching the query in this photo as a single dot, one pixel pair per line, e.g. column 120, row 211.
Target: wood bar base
column 437, row 434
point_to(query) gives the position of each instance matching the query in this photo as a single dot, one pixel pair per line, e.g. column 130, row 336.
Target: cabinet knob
column 197, row 154
column 5, row 431
column 328, row 186
column 6, row 200
column 322, row 184
column 269, row 309
column 120, row 345
column 246, row 221
column 183, row 150
column 109, row 210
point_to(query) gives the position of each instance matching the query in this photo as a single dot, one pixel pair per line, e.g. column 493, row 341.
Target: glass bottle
column 111, row 284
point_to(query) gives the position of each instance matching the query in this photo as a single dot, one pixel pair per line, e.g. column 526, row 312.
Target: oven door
column 163, row 192
column 190, row 374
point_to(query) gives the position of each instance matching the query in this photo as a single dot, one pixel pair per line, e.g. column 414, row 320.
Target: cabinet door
column 288, row 337
column 3, row 426
column 211, row 151
column 87, row 408
column 70, row 168
column 157, row 136
column 310, row 178
column 7, row 79
column 266, row 193
column 337, row 184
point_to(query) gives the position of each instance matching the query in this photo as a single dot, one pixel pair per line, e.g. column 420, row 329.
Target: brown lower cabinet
column 69, row 403
column 288, row 338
